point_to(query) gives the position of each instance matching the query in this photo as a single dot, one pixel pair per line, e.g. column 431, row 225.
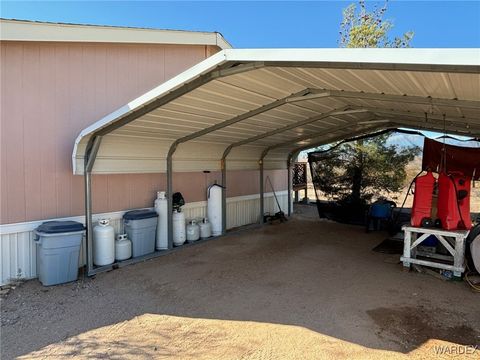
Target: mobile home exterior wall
column 52, row 90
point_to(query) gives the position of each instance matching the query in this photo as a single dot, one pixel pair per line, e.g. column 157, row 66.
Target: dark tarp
column 457, row 158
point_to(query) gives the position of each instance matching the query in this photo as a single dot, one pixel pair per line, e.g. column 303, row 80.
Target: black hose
column 405, row 199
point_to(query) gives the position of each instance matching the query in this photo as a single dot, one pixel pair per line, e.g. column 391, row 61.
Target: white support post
column 406, row 249
column 458, row 257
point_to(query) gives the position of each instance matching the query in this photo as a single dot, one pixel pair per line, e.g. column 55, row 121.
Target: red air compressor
column 454, row 201
column 422, row 199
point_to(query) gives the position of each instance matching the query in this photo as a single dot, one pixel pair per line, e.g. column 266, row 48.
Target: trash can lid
column 54, row 227
column 140, row 214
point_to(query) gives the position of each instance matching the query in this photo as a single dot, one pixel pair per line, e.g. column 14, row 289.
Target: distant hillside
column 404, row 140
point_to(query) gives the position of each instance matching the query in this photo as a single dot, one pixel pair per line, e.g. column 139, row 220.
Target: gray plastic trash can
column 58, row 251
column 141, row 228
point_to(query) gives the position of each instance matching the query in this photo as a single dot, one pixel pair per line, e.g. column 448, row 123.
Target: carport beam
column 89, row 161
column 262, row 203
column 224, row 196
column 344, row 110
column 289, row 185
column 209, row 130
column 294, row 153
column 170, row 196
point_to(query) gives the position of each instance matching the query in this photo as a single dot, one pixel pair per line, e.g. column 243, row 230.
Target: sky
column 267, row 24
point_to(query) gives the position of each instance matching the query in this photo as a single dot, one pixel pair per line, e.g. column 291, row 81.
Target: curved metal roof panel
column 279, row 100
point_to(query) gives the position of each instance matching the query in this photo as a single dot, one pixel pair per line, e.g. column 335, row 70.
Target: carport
column 257, row 109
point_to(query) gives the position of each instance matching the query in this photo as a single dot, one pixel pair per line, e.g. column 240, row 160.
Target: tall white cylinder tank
column 161, row 207
column 103, row 243
column 214, row 208
column 179, row 230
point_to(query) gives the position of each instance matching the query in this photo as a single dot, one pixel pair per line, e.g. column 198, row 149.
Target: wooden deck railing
column 299, row 176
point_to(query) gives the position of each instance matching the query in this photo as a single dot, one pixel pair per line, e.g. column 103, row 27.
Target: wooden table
column 454, row 242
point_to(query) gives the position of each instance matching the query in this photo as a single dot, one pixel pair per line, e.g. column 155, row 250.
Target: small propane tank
column 193, row 231
column 179, row 235
column 103, row 243
column 161, row 207
column 205, row 229
column 123, row 248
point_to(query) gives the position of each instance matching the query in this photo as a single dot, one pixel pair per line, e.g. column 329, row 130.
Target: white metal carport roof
column 260, row 107
column 284, row 99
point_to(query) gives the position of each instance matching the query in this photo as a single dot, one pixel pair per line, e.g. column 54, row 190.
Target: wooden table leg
column 458, row 258
column 406, row 249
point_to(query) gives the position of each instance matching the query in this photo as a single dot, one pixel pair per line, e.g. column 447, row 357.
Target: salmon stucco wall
column 50, row 92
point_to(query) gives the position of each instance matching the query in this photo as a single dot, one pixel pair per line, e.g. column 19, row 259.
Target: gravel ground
column 304, row 289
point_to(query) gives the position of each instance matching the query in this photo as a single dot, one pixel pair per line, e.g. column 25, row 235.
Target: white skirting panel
column 18, row 249
column 241, row 210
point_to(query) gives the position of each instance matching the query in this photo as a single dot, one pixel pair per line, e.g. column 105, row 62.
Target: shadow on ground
column 262, row 293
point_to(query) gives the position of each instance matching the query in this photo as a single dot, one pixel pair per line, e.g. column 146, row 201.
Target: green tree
column 361, row 170
column 363, row 28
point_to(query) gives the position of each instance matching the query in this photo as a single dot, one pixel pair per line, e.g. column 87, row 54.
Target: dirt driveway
column 306, row 289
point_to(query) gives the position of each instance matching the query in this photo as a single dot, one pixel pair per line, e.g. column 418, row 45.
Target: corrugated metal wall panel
column 18, row 249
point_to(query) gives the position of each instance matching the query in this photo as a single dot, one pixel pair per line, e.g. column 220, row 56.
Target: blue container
column 141, row 229
column 380, row 210
column 58, row 251
column 430, row 241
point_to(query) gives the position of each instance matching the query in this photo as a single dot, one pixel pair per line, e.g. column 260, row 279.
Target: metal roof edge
column 407, row 56
column 24, row 30
column 222, row 43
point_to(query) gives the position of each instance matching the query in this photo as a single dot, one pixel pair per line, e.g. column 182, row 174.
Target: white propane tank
column 179, row 235
column 161, row 207
column 193, row 231
column 123, row 248
column 214, row 208
column 103, row 243
column 205, row 229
